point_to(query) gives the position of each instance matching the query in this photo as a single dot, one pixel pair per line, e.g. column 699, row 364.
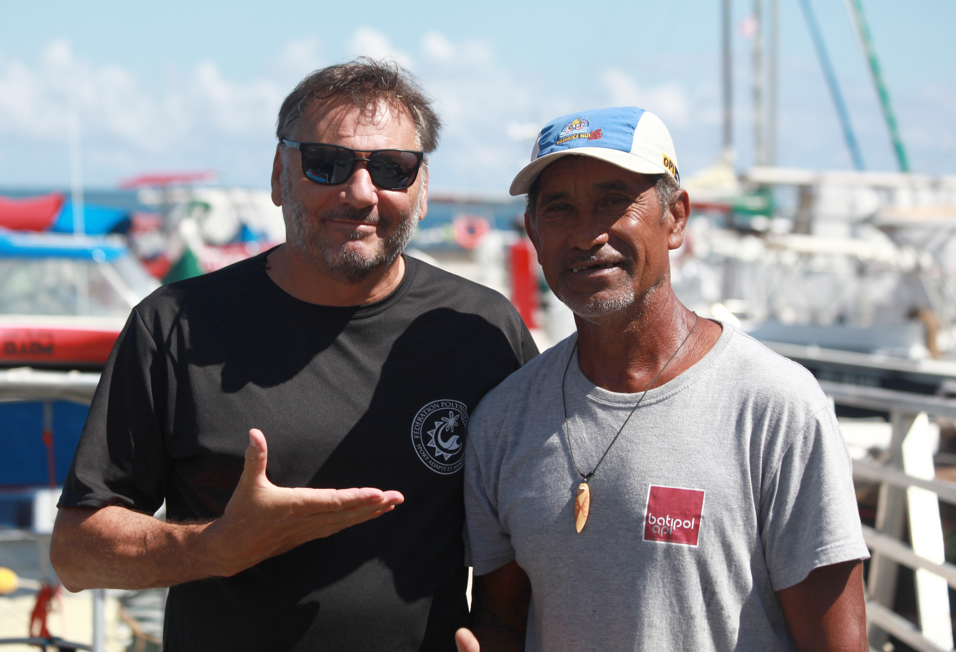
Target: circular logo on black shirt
column 438, row 435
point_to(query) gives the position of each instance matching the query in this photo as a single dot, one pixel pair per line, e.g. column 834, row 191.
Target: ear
column 424, row 191
column 679, row 213
column 277, row 177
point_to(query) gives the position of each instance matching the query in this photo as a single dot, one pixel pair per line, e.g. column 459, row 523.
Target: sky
column 186, row 86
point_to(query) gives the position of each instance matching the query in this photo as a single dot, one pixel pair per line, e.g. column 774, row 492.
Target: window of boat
column 63, row 286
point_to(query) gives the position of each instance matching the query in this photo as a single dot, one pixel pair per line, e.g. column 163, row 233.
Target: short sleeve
column 121, row 457
column 528, row 349
column 487, row 545
column 809, row 515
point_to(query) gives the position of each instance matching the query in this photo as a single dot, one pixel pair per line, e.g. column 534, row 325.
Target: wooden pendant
column 582, row 506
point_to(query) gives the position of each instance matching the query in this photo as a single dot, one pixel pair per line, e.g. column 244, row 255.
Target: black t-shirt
column 369, row 396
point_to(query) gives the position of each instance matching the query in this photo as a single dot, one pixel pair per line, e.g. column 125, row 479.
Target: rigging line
column 835, row 94
column 855, row 9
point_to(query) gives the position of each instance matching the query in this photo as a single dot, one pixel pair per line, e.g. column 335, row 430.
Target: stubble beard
column 343, row 263
column 624, row 303
column 596, row 309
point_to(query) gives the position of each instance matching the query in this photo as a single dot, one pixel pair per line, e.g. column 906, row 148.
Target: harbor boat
column 63, row 301
column 837, row 280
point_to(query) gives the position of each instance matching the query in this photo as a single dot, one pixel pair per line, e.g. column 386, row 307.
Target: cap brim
column 522, row 182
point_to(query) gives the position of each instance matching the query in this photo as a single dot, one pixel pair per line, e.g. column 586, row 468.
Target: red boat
column 64, row 299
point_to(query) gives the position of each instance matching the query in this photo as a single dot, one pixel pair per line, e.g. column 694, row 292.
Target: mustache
column 603, row 256
column 367, row 215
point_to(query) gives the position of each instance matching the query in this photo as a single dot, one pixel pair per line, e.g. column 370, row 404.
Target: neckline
column 583, row 386
column 362, row 311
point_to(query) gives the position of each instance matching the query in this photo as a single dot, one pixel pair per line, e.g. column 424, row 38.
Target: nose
column 588, row 233
column 359, row 191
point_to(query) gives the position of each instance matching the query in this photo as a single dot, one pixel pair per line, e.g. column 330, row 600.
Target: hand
column 466, row 641
column 262, row 520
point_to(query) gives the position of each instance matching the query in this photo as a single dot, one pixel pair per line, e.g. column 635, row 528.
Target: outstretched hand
column 262, row 520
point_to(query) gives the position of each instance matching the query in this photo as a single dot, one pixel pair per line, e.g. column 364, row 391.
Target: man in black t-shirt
column 359, row 366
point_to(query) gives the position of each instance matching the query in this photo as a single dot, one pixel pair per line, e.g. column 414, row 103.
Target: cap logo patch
column 669, row 165
column 578, row 128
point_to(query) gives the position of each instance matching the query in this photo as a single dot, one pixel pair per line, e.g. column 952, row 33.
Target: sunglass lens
column 392, row 169
column 332, row 165
column 327, row 165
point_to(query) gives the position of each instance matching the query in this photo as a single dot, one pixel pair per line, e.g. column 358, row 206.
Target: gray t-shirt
column 729, row 483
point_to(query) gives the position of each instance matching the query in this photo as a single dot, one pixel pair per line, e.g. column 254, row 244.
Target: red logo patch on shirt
column 673, row 515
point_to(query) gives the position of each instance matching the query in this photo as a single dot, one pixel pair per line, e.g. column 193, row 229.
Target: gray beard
column 596, row 309
column 343, row 264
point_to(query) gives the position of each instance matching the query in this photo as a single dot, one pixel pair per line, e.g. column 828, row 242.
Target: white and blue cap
column 628, row 137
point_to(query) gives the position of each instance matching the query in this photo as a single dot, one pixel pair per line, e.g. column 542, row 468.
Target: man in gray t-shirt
column 657, row 481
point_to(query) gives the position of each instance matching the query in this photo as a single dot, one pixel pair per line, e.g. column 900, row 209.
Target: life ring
column 469, row 230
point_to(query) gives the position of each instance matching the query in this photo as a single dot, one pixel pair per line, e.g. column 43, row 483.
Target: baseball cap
column 628, row 137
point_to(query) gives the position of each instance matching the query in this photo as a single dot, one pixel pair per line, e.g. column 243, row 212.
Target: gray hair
column 363, row 83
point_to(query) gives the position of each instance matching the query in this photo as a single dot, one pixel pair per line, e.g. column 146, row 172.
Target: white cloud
column 369, row 42
column 493, row 112
column 207, row 119
column 522, row 130
column 59, row 54
column 111, row 102
column 668, row 101
column 204, row 117
column 482, row 106
column 115, row 112
column 437, row 47
column 297, row 59
column 236, row 109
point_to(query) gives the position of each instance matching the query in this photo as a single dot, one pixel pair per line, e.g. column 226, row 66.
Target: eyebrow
column 617, row 184
column 554, row 196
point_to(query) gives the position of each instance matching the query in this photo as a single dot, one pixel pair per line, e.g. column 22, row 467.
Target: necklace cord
column 564, row 403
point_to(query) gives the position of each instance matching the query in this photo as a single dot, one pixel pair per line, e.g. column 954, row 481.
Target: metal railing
column 26, row 384
column 907, row 489
column 905, row 478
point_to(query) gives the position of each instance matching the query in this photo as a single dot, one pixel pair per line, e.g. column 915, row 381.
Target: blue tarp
column 17, row 244
column 24, row 461
column 97, row 220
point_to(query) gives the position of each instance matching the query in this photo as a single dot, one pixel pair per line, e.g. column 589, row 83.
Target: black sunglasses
column 331, row 165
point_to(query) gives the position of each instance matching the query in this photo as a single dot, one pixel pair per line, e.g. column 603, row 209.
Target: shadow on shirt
column 387, row 577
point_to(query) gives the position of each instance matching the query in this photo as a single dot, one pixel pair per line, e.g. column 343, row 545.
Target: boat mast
column 76, row 170
column 758, row 117
column 773, row 44
column 76, row 186
column 835, row 94
column 728, row 86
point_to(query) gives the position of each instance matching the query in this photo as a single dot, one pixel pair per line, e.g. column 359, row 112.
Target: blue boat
column 63, row 302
